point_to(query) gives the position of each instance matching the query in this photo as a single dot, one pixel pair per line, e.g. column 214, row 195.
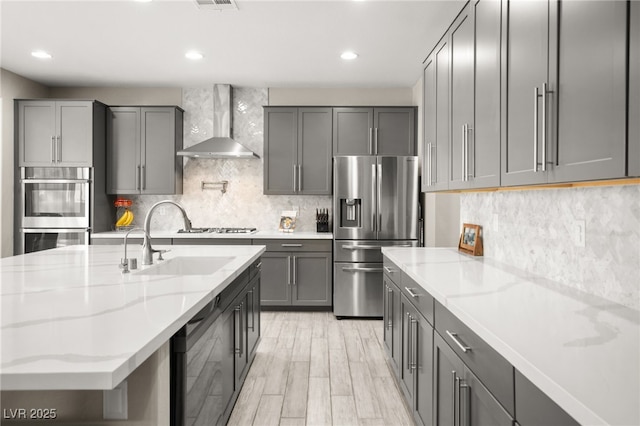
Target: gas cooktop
column 218, row 231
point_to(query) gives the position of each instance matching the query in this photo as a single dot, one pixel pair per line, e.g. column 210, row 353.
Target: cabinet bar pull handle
column 373, row 197
column 144, row 177
column 409, row 343
column 389, row 270
column 299, row 177
column 454, row 382
column 427, row 161
column 458, row 403
column 465, row 410
column 376, row 141
column 464, row 132
column 414, row 345
column 288, row 270
column 259, row 265
column 411, row 292
column 359, row 269
column 291, row 245
column 294, row 178
column 454, row 337
column 253, row 321
column 544, row 126
column 59, row 148
column 294, row 271
column 536, row 95
column 236, row 334
column 379, row 199
column 53, row 149
column 371, row 140
column 139, row 179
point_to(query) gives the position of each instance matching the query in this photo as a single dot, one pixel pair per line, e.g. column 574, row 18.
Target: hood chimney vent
column 221, row 145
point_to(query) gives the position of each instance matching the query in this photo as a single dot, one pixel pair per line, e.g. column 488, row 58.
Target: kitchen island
column 581, row 351
column 71, row 320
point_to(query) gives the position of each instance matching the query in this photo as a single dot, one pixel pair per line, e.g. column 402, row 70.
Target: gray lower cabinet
column 459, row 396
column 435, row 174
column 416, row 370
column 534, row 408
column 141, row 150
column 392, row 317
column 374, row 131
column 297, row 151
column 296, row 273
column 59, row 133
column 633, row 166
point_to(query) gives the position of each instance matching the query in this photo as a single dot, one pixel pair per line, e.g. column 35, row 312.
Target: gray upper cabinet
column 565, row 110
column 436, row 119
column 462, row 88
column 58, row 133
column 297, row 151
column 591, row 92
column 527, row 40
column 634, row 90
column 141, row 150
column 394, row 131
column 483, row 153
column 374, row 131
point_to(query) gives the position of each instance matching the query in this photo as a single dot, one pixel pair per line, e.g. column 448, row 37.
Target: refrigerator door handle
column 379, row 196
column 374, row 201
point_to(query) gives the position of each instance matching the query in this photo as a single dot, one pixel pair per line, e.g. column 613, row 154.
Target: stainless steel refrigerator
column 375, row 204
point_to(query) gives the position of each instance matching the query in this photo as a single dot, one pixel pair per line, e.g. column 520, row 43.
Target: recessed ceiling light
column 193, row 55
column 41, row 54
column 143, row 1
column 349, row 55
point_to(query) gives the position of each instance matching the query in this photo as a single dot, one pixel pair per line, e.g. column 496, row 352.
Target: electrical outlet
column 579, row 231
column 161, row 210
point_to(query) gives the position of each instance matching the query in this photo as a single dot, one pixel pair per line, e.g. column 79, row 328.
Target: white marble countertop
column 581, row 350
column 71, row 320
column 254, row 236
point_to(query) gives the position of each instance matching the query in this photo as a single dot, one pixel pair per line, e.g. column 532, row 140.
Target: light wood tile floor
column 311, row 369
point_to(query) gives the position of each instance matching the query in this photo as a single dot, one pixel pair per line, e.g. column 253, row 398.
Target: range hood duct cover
column 221, row 145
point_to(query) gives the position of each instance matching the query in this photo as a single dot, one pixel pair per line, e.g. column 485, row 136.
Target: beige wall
column 341, row 97
column 441, row 211
column 12, row 86
column 122, row 95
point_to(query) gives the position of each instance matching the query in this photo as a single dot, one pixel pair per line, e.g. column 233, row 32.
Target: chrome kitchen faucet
column 147, row 250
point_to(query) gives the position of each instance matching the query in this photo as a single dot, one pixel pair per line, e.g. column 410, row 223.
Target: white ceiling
column 264, row 43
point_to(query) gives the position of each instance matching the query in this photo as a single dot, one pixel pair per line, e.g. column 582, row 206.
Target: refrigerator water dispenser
column 350, row 213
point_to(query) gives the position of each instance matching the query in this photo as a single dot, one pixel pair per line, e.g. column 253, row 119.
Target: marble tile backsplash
column 244, row 204
column 536, row 230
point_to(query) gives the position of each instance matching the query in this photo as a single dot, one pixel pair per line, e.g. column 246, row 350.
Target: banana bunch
column 126, row 219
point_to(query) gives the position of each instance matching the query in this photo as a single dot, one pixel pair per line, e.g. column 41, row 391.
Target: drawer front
column 294, row 245
column 365, row 250
column 418, row 296
column 392, row 271
column 492, row 369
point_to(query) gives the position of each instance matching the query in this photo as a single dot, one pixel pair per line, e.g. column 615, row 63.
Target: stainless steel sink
column 187, row 265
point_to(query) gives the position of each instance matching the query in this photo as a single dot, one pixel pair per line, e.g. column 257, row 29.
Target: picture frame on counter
column 471, row 239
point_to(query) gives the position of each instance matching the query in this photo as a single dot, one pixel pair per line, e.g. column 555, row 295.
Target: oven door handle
column 56, row 230
column 55, row 180
column 360, row 269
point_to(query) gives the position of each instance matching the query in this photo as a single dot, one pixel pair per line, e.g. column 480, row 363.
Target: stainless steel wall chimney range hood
column 221, row 145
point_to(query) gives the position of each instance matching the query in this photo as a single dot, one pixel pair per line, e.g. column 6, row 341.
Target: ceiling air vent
column 217, row 4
